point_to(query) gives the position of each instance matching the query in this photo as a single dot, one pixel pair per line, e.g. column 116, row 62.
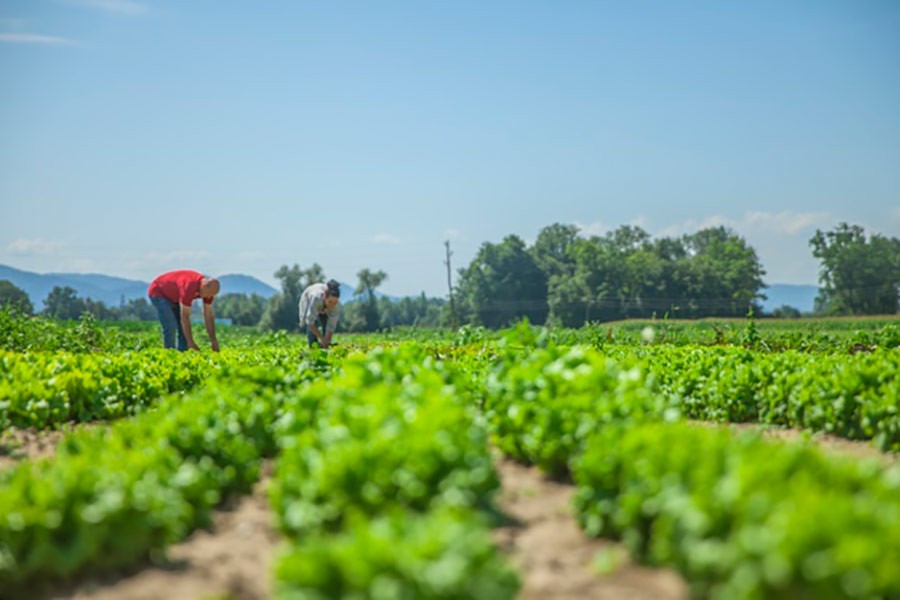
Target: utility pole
column 450, row 286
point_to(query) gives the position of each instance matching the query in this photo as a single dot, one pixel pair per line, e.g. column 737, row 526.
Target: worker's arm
column 331, row 325
column 314, row 329
column 186, row 327
column 209, row 319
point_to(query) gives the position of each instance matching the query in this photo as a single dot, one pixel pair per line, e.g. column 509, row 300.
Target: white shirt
column 312, row 305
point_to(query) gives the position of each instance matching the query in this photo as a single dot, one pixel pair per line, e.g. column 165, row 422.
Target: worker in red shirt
column 172, row 294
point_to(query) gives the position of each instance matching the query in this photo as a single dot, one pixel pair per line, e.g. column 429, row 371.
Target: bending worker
column 319, row 312
column 172, row 294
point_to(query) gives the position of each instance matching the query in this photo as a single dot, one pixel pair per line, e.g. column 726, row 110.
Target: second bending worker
column 319, row 312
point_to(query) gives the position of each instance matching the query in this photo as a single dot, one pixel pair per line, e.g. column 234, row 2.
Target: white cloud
column 694, row 225
column 781, row 239
column 122, row 7
column 786, row 222
column 639, row 222
column 34, row 247
column 454, row 234
column 590, row 229
column 33, row 38
column 386, row 238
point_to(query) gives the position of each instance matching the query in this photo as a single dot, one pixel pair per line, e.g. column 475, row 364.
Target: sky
column 138, row 137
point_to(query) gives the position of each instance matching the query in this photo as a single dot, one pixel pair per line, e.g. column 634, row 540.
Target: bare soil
column 19, row 444
column 232, row 560
column 555, row 558
column 825, row 441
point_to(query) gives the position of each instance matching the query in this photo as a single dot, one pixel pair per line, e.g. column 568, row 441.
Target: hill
column 245, row 284
column 113, row 290
column 801, row 297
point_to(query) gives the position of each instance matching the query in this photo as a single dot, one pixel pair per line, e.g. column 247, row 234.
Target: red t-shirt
column 182, row 287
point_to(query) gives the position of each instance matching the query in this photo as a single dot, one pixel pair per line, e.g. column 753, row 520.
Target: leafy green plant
column 445, row 553
column 742, row 517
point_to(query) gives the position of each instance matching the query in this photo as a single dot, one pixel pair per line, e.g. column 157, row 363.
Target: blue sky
column 138, row 137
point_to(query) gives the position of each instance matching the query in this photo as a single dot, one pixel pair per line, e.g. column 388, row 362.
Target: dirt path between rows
column 825, row 441
column 554, row 557
column 19, row 444
column 233, row 560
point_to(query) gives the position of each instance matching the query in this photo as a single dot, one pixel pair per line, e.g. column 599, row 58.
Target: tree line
column 565, row 279
column 367, row 312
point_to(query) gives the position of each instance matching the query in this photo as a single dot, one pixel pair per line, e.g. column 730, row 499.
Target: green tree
column 503, row 284
column 860, row 275
column 672, row 287
column 552, row 250
column 724, row 275
column 15, row 297
column 241, row 308
column 584, row 295
column 63, row 303
column 627, row 274
column 413, row 311
column 137, row 309
column 368, row 283
column 786, row 312
column 99, row 310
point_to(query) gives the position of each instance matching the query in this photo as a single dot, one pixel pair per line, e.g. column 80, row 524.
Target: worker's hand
column 214, row 346
column 194, row 346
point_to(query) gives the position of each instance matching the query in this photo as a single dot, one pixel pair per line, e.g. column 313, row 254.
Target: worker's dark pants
column 311, row 337
column 170, row 318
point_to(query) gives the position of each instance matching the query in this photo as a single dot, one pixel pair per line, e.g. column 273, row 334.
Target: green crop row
column 44, row 389
column 742, row 517
column 395, row 461
column 543, row 405
column 382, row 486
column 112, row 495
column 738, row 516
column 853, row 396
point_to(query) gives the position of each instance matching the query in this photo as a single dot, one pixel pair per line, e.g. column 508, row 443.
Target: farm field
column 650, row 459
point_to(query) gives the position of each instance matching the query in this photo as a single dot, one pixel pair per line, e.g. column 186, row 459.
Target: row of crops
column 854, row 396
column 383, row 483
column 737, row 515
column 20, row 333
column 45, row 389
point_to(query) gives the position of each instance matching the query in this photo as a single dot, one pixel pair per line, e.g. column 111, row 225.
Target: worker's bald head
column 209, row 287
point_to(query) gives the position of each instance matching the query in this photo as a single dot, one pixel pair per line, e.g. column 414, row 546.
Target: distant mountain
column 112, row 290
column 801, row 297
column 245, row 284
